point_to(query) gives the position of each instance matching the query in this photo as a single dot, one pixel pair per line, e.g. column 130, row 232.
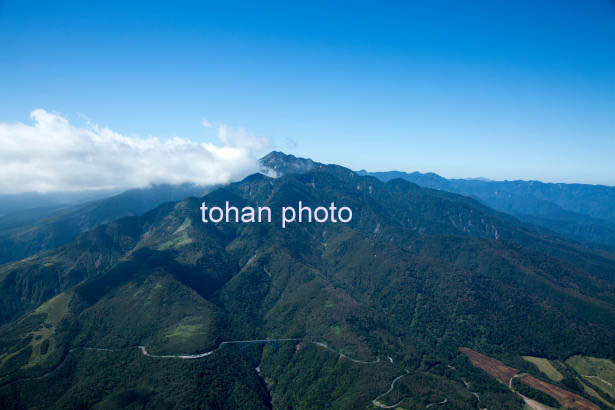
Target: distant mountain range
column 53, row 200
column 162, row 310
column 28, row 230
column 580, row 212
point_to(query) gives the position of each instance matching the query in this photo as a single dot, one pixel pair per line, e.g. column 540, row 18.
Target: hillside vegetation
column 390, row 296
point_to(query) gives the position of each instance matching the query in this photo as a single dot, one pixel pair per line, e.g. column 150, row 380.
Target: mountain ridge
column 415, row 275
column 580, row 212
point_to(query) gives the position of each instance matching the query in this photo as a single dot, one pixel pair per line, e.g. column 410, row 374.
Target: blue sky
column 504, row 90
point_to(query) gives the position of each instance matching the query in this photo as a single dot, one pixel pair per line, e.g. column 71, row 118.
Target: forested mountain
column 580, row 212
column 165, row 311
column 24, row 232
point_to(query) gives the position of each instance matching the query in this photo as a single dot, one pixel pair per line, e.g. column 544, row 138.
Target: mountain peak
column 281, row 163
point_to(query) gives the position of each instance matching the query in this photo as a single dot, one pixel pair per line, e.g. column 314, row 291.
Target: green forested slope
column 415, row 275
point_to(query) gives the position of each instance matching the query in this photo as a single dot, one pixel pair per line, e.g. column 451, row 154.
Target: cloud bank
column 54, row 155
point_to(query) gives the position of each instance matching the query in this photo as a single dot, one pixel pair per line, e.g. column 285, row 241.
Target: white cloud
column 54, row 155
column 234, row 137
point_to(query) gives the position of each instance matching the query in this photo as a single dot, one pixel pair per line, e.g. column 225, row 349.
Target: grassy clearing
column 545, row 366
column 593, row 393
column 181, row 237
column 186, row 224
column 55, row 308
column 599, row 372
column 185, row 331
column 39, row 355
column 175, row 243
column 42, row 343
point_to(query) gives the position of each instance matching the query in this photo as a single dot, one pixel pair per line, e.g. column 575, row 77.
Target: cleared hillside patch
column 598, row 372
column 545, row 366
column 566, row 398
column 490, row 365
column 593, row 393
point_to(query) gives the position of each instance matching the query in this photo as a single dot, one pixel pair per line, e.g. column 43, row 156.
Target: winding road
column 144, row 351
column 384, row 406
column 437, row 403
column 230, row 342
